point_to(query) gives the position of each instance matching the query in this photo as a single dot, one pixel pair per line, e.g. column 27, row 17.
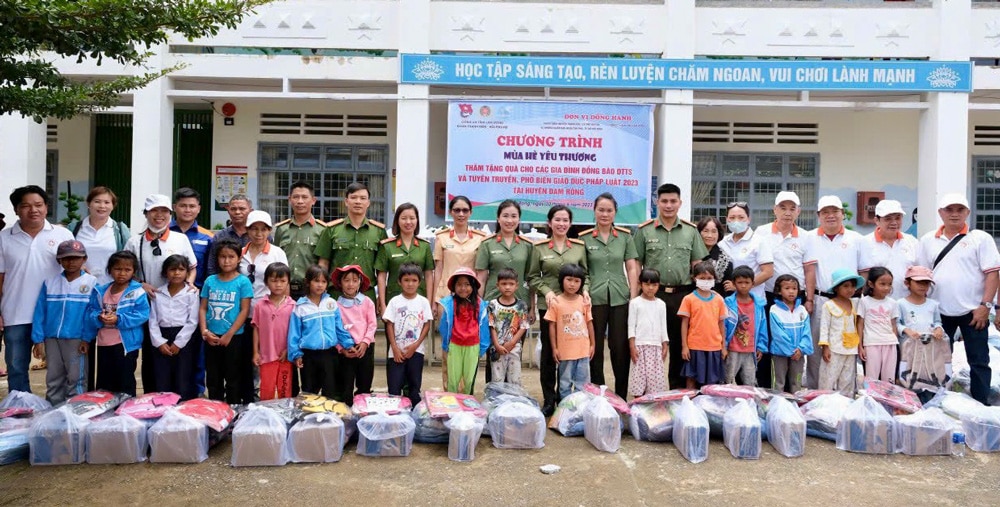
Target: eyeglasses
column 461, row 211
column 155, row 244
column 251, row 273
column 742, row 204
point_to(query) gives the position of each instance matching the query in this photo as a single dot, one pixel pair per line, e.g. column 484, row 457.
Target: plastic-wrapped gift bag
column 116, row 440
column 804, row 396
column 925, row 433
column 897, row 400
column 95, row 403
column 371, row 403
column 652, row 421
column 494, row 389
column 464, row 432
column 823, row 415
column 954, row 404
column 616, row 401
column 14, row 446
column 315, row 404
column 20, row 403
column 148, row 406
column 317, row 438
column 517, row 425
column 786, row 428
column 602, row 425
column 982, row 429
column 259, row 439
column 691, row 431
column 741, row 430
column 429, row 430
column 58, row 437
column 286, row 408
column 178, row 438
column 568, row 417
column 732, row 391
column 381, row 435
column 866, row 428
column 715, row 408
column 217, row 415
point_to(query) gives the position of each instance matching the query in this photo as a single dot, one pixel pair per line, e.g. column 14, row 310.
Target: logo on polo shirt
column 843, row 246
column 52, row 242
column 329, row 304
column 84, row 289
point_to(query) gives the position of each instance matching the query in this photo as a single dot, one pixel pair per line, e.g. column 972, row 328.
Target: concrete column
column 22, row 142
column 413, row 115
column 152, row 145
column 674, row 141
column 943, row 163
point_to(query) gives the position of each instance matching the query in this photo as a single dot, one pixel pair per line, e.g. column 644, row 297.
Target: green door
column 113, row 159
column 193, row 157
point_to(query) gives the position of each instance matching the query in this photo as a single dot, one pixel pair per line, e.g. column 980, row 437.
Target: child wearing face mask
column 703, row 327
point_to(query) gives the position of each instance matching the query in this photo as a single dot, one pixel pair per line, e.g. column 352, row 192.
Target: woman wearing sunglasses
column 745, row 248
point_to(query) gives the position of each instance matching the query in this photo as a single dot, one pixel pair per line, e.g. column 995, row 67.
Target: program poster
column 546, row 153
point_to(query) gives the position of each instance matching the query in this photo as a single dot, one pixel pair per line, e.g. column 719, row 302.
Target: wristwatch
column 988, row 304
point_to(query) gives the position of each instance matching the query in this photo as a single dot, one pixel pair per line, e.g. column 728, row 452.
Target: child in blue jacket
column 791, row 335
column 118, row 310
column 746, row 329
column 317, row 337
column 464, row 328
column 61, row 333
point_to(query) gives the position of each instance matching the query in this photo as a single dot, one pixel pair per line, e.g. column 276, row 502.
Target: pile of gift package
column 104, row 427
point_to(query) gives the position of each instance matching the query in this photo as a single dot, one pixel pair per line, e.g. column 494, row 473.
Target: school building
column 317, row 90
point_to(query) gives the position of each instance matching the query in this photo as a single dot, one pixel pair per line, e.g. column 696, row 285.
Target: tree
column 120, row 30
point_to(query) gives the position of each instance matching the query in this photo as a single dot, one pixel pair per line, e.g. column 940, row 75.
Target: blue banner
column 701, row 74
column 546, row 153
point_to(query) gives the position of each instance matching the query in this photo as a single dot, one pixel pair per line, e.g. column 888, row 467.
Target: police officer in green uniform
column 611, row 287
column 299, row 235
column 352, row 240
column 671, row 246
column 404, row 248
column 547, row 256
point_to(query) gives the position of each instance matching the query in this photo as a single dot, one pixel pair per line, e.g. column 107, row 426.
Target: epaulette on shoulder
column 692, row 224
column 443, row 231
column 283, row 222
column 322, row 223
column 647, row 222
column 376, row 223
column 577, row 241
column 386, row 240
column 521, row 236
column 335, row 222
column 479, row 232
column 541, row 241
column 586, row 231
column 207, row 232
column 623, row 229
column 491, row 236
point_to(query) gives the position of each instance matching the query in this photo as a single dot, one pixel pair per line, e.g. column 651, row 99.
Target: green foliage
column 120, row 30
column 72, row 202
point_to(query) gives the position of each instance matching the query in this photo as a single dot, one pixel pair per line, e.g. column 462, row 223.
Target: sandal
column 39, row 366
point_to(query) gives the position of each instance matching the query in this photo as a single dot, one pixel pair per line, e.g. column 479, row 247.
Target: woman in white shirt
column 745, row 248
column 99, row 233
column 259, row 253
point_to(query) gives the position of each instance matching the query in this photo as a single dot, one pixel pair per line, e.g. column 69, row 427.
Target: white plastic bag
column 116, row 440
column 982, row 429
column 58, row 438
column 786, row 428
column 652, row 421
column 178, row 438
column 823, row 415
column 924, row 433
column 954, row 404
column 602, row 426
column 741, row 430
column 517, row 425
column 260, row 439
column 867, row 428
column 317, row 438
column 691, row 431
column 22, row 403
column 463, row 435
column 715, row 408
column 385, row 435
column 568, row 417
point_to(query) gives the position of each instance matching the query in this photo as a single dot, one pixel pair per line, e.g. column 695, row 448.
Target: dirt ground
column 640, row 473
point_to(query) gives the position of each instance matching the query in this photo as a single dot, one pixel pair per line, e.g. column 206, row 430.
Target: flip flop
column 39, row 366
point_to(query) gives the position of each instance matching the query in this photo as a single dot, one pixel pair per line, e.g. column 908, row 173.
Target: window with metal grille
column 719, row 178
column 329, row 168
column 52, row 182
column 986, row 189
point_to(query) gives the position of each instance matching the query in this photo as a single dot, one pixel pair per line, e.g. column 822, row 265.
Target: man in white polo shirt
column 965, row 264
column 27, row 258
column 788, row 244
column 831, row 247
column 889, row 247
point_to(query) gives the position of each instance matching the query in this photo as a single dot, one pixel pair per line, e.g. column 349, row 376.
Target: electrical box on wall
column 866, row 207
column 440, row 198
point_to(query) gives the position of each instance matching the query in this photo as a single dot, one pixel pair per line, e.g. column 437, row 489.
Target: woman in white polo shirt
column 745, row 248
column 99, row 233
column 259, row 253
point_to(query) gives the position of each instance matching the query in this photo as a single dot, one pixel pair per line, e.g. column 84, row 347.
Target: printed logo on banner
column 465, row 110
column 484, row 111
column 428, row 70
column 943, row 77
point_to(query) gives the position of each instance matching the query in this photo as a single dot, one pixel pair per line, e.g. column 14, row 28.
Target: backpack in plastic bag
column 715, row 408
column 982, row 429
column 866, row 428
column 385, row 435
column 691, row 431
column 786, row 428
column 823, row 415
column 317, row 438
column 259, row 439
column 429, row 430
column 568, row 417
column 116, row 440
column 464, row 432
column 741, row 430
column 925, row 433
column 58, row 438
column 602, row 426
column 517, row 425
column 178, row 438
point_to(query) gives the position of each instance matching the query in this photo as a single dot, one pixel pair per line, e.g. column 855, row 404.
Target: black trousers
column 148, row 352
column 116, row 369
column 673, row 302
column 248, row 390
column 175, row 374
column 976, row 348
column 547, row 367
column 611, row 322
column 319, row 372
column 223, row 370
column 355, row 375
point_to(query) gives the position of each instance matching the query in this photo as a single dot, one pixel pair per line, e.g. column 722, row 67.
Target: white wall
column 73, row 143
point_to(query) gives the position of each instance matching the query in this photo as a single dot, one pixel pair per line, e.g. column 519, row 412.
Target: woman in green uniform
column 547, row 256
column 611, row 287
column 505, row 249
column 404, row 247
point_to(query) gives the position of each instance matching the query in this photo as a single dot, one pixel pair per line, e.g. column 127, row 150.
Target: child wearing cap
column 464, row 328
column 926, row 355
column 357, row 366
column 61, row 334
column 838, row 335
